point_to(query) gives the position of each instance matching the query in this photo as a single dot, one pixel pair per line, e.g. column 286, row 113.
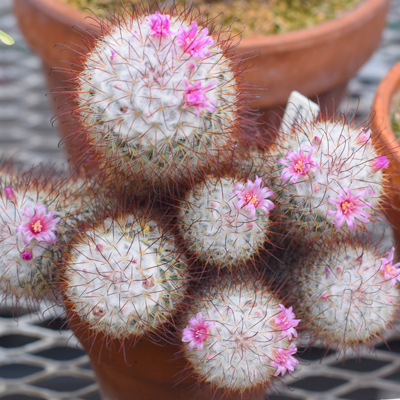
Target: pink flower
column 159, row 24
column 284, row 360
column 349, row 207
column 195, row 96
column 380, row 162
column 364, row 136
column 391, row 271
column 285, row 322
column 38, row 225
column 9, row 193
column 190, row 42
column 254, row 196
column 26, row 255
column 297, row 164
column 197, row 331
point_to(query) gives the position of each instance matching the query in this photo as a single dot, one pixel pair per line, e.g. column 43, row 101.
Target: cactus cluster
column 159, row 105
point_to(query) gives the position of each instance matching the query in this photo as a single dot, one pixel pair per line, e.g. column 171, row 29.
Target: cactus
column 35, row 212
column 158, row 97
column 239, row 336
column 225, row 221
column 328, row 173
column 123, row 275
column 347, row 296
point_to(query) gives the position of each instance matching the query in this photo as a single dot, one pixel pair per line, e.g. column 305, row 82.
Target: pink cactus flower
column 364, row 136
column 391, row 271
column 380, row 162
column 297, row 164
column 286, row 323
column 192, row 43
column 349, row 208
column 159, row 24
column 197, row 331
column 39, row 225
column 195, row 96
column 26, row 255
column 254, row 196
column 9, row 193
column 284, row 360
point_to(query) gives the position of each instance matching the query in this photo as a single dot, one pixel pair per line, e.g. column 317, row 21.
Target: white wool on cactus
column 124, row 277
column 27, row 235
column 348, row 296
column 158, row 89
column 225, row 221
column 240, row 337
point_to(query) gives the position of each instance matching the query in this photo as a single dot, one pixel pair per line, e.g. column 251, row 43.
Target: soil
column 259, row 17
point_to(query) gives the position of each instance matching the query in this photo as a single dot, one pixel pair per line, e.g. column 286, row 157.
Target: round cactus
column 225, row 221
column 239, row 336
column 123, row 276
column 35, row 211
column 157, row 97
column 328, row 172
column 348, row 296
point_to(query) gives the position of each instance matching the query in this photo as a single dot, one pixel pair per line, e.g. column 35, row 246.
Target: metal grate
column 40, row 359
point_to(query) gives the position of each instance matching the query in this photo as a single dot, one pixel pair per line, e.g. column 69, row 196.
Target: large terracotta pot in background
column 387, row 98
column 314, row 61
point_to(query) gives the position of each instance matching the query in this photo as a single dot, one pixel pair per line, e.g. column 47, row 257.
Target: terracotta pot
column 387, row 98
column 145, row 371
column 315, row 61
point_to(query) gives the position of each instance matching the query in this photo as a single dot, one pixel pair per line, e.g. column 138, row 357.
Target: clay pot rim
column 382, row 105
column 281, row 41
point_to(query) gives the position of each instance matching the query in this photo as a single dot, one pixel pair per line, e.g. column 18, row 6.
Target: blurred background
column 40, row 359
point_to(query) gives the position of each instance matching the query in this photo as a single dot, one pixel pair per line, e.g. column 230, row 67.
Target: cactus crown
column 124, row 276
column 225, row 221
column 240, row 336
column 329, row 171
column 158, row 95
column 36, row 210
column 348, row 296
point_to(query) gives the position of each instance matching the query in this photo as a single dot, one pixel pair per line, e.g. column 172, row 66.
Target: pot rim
column 382, row 105
column 295, row 39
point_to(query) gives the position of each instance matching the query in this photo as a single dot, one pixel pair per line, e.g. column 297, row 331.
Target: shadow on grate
column 314, row 353
column 395, row 376
column 61, row 353
column 63, row 383
column 20, row 396
column 86, row 366
column 318, row 383
column 15, row 371
column 55, row 324
column 92, row 396
column 282, row 397
column 361, row 364
column 370, row 393
column 14, row 314
column 17, row 340
column 393, row 346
